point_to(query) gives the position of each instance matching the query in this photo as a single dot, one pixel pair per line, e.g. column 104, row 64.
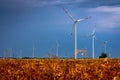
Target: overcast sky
column 24, row 23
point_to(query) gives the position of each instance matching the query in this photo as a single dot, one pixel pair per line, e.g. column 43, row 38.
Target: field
column 59, row 69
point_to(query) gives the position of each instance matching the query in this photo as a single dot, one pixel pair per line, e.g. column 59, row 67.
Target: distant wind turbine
column 10, row 52
column 104, row 44
column 20, row 54
column 75, row 28
column 57, row 46
column 109, row 52
column 33, row 55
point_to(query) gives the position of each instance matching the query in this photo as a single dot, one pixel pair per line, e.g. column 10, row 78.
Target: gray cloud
column 107, row 16
column 105, row 9
column 97, row 3
column 35, row 3
column 39, row 3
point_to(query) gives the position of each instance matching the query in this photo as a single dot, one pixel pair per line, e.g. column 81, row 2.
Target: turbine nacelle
column 93, row 35
column 76, row 21
column 105, row 42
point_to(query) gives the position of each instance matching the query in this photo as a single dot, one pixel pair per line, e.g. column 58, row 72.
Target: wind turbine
column 33, row 52
column 5, row 54
column 104, row 44
column 93, row 42
column 109, row 52
column 20, row 54
column 57, row 46
column 10, row 52
column 75, row 28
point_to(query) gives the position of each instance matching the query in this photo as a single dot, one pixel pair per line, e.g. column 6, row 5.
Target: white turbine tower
column 75, row 28
column 93, row 37
column 57, row 46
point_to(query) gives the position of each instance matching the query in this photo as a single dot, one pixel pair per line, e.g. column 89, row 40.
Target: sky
column 40, row 23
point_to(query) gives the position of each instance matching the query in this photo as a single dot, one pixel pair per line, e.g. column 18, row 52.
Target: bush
column 103, row 55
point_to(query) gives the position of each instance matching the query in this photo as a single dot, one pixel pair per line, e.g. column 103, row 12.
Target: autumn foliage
column 59, row 69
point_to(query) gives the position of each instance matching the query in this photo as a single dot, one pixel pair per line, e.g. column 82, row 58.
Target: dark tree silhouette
column 103, row 55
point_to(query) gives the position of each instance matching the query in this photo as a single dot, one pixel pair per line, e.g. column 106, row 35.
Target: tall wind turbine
column 57, row 46
column 93, row 40
column 75, row 28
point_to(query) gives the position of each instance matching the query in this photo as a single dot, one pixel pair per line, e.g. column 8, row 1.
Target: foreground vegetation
column 59, row 69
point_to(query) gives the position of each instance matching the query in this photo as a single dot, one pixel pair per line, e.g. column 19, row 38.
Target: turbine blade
column 94, row 30
column 88, row 35
column 101, row 41
column 68, row 14
column 96, row 38
column 106, row 41
column 57, row 43
column 82, row 19
column 73, row 28
column 70, row 35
